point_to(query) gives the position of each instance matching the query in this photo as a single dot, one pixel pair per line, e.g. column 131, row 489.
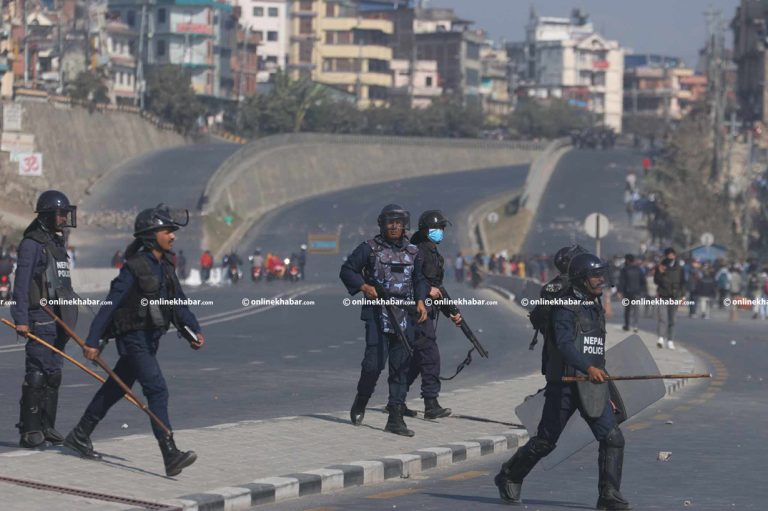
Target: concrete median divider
column 275, row 171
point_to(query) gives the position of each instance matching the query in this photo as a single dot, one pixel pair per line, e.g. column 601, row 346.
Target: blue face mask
column 435, row 235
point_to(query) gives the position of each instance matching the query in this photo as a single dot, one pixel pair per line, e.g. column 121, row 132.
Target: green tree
column 89, row 86
column 170, row 96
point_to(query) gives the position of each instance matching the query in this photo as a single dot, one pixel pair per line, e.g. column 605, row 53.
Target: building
column 443, row 37
column 750, row 36
column 121, row 52
column 195, row 34
column 269, row 20
column 424, row 88
column 568, row 59
column 335, row 43
column 661, row 88
column 494, row 86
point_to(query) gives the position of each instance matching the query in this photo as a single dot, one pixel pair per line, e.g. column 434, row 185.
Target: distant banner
column 323, row 244
column 12, row 116
column 17, row 142
column 30, row 164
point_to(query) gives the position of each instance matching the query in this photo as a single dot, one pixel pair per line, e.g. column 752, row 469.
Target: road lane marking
column 464, row 476
column 392, row 494
column 638, row 426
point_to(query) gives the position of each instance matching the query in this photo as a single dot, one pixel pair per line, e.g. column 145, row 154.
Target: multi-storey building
column 334, row 43
column 750, row 35
column 269, row 20
column 568, row 59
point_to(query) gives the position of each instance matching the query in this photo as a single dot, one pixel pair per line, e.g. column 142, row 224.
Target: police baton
column 568, row 379
column 54, row 349
column 109, row 371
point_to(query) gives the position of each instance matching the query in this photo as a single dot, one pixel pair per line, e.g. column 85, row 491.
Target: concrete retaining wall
column 274, row 171
column 78, row 147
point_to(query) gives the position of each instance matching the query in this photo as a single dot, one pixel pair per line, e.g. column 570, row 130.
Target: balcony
column 347, row 24
column 350, row 78
column 350, row 51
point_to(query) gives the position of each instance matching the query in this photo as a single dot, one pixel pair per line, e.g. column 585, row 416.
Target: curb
column 347, row 475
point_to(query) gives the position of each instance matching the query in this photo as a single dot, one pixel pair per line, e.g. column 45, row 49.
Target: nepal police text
column 594, row 346
column 62, row 269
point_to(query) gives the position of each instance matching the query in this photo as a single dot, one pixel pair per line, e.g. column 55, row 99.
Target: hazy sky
column 673, row 27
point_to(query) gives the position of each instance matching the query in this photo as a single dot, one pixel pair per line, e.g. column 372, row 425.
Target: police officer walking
column 140, row 307
column 387, row 261
column 42, row 274
column 576, row 345
column 426, row 354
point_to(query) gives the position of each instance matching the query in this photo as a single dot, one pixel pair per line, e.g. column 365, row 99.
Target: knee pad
column 54, row 380
column 35, row 378
column 541, row 447
column 615, row 438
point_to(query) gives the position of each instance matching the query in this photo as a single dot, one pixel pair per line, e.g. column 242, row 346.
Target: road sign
column 597, row 225
column 707, row 239
column 12, row 116
column 493, row 217
column 31, row 164
column 323, row 243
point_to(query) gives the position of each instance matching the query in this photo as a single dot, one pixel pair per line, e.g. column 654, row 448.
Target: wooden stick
column 53, row 348
column 567, row 379
column 109, row 371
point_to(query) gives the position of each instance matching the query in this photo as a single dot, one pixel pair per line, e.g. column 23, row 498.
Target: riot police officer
column 141, row 305
column 426, row 355
column 42, row 274
column 576, row 345
column 559, row 285
column 387, row 261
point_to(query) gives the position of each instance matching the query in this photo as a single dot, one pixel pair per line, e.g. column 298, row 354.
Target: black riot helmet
column 393, row 212
column 159, row 217
column 584, row 266
column 564, row 255
column 53, row 203
column 433, row 219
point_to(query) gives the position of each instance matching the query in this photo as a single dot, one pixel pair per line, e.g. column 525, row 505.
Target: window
column 160, row 48
column 273, row 12
column 329, row 37
column 161, row 15
column 131, row 18
column 428, row 81
column 330, row 10
column 271, row 35
column 305, row 26
column 305, row 5
column 473, row 78
column 258, row 11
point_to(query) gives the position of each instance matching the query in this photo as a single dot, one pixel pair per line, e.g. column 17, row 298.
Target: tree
column 170, row 96
column 551, row 119
column 89, row 87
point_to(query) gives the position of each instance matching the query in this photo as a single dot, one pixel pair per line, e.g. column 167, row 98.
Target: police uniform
column 393, row 265
column 142, row 303
column 574, row 343
column 42, row 274
column 426, row 354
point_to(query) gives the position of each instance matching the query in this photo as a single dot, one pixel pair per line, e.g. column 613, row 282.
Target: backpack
column 724, row 281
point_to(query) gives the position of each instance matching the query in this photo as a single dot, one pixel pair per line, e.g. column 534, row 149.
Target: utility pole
column 140, row 86
column 716, row 86
column 243, row 61
column 26, row 40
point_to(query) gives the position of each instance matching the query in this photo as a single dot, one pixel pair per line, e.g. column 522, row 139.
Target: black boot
column 395, row 423
column 79, row 439
column 174, row 459
column 509, row 480
column 433, row 410
column 357, row 412
column 407, row 412
column 30, row 416
column 610, row 461
column 50, row 405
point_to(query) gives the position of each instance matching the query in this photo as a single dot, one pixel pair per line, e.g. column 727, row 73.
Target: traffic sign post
column 597, row 226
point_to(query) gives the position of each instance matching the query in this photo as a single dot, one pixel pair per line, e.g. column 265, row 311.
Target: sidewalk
column 253, row 462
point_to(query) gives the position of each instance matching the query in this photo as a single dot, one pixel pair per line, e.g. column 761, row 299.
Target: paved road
column 283, row 361
column 174, row 176
column 714, row 430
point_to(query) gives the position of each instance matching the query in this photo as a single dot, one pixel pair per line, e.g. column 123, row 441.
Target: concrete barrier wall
column 274, row 171
column 78, row 147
